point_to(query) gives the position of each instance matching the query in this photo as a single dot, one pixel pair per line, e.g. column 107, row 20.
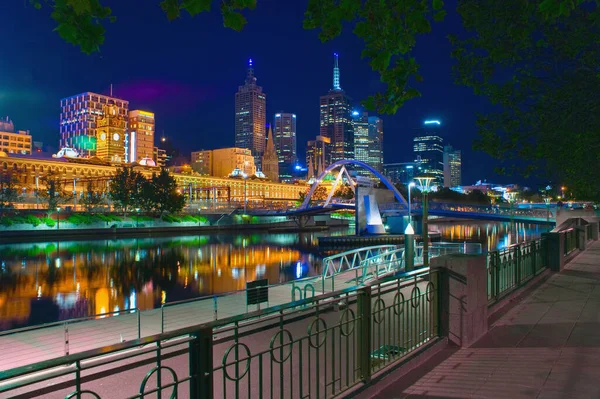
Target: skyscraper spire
column 250, row 78
column 336, row 73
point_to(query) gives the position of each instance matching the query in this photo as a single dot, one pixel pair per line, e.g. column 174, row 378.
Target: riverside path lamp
column 425, row 187
column 547, row 201
column 137, row 217
column 58, row 218
column 411, row 184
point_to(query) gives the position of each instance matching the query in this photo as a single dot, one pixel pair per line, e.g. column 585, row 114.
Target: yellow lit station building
column 29, row 172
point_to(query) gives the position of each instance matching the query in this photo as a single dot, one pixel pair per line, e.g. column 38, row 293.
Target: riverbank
column 70, row 233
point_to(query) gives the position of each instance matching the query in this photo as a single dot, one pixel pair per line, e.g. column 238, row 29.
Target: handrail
column 160, row 338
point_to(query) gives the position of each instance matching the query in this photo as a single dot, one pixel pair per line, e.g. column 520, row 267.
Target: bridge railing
column 307, row 348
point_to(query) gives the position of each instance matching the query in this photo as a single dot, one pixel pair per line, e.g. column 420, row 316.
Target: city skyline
column 193, row 101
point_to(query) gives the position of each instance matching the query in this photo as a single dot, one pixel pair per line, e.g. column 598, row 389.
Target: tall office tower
column 429, row 150
column 403, row 172
column 452, row 167
column 141, row 135
column 318, row 155
column 284, row 135
column 78, row 119
column 360, row 123
column 110, row 130
column 270, row 160
column 376, row 143
column 336, row 119
column 250, row 116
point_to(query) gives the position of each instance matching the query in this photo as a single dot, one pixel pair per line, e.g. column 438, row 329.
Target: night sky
column 187, row 72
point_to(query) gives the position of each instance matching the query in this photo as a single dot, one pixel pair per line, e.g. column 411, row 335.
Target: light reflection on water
column 49, row 281
column 492, row 235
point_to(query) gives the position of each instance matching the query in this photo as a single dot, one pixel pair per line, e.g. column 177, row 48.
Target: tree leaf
column 171, row 8
column 439, row 16
column 194, row 7
column 80, row 6
column 437, row 4
column 233, row 20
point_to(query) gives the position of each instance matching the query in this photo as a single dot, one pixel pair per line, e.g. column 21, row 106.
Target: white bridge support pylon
column 344, row 172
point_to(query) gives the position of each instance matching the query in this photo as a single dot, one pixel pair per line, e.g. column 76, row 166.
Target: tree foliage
column 92, row 198
column 165, row 196
column 9, row 192
column 345, row 192
column 125, row 189
column 538, row 62
column 53, row 193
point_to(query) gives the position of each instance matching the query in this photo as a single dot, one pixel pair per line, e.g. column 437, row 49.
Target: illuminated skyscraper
column 250, row 116
column 452, row 167
column 141, row 135
column 376, row 143
column 78, row 119
column 336, row 119
column 429, row 150
column 284, row 135
column 361, row 136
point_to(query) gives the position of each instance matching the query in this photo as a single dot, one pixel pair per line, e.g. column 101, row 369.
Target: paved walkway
column 548, row 346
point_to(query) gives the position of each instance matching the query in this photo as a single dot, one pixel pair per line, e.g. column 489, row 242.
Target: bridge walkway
column 547, row 346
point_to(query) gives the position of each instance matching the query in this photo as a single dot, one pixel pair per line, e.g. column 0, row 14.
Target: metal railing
column 571, row 239
column 348, row 260
column 509, row 268
column 317, row 347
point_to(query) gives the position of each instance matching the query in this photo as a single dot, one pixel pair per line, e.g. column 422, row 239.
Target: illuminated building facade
column 160, row 157
column 141, row 135
column 78, row 119
column 201, row 162
column 452, row 167
column 14, row 142
column 361, row 136
column 375, row 158
column 318, row 155
column 223, row 161
column 336, row 119
column 250, row 116
column 284, row 135
column 270, row 160
column 110, row 130
column 428, row 148
column 29, row 172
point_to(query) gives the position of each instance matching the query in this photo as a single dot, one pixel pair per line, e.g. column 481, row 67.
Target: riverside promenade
column 546, row 346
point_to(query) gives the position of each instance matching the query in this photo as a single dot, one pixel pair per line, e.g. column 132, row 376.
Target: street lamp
column 547, row 201
column 425, row 187
column 137, row 217
column 58, row 219
column 411, row 184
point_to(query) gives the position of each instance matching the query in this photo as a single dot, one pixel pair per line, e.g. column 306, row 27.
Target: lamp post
column 75, row 194
column 411, row 184
column 137, row 217
column 547, row 201
column 425, row 187
column 58, row 218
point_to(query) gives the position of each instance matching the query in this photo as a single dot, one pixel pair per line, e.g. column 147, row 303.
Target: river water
column 58, row 280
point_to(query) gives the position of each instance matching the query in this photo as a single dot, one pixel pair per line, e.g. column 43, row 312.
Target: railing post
column 66, row 339
column 534, row 254
column 517, row 259
column 201, row 364
column 139, row 322
column 364, row 333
